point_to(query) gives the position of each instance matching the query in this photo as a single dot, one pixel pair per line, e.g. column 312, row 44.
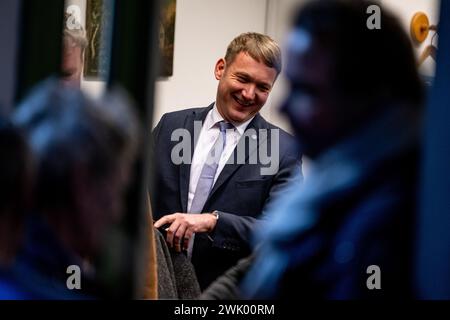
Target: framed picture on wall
column 98, row 23
column 166, row 37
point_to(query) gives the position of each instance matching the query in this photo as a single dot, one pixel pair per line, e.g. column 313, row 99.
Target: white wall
column 203, row 30
column 405, row 11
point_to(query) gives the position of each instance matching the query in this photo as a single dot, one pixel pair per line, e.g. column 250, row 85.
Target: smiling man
column 209, row 204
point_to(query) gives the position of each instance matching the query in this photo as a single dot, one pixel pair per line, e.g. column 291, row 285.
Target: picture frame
column 98, row 23
column 167, row 37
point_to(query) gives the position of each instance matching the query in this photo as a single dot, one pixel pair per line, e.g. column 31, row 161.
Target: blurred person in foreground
column 15, row 185
column 355, row 104
column 83, row 151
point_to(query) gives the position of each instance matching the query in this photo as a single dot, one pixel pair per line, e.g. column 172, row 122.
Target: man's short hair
column 260, row 47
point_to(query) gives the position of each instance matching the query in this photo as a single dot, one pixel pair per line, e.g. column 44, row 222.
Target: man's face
column 312, row 105
column 244, row 86
column 72, row 64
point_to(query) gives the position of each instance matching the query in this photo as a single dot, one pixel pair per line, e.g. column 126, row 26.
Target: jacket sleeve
column 234, row 232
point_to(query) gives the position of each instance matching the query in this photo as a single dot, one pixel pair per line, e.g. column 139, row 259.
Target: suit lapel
column 185, row 168
column 252, row 129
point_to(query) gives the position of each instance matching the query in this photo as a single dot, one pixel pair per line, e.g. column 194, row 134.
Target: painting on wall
column 98, row 22
column 166, row 37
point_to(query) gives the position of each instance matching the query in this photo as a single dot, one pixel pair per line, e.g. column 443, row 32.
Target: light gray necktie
column 206, row 180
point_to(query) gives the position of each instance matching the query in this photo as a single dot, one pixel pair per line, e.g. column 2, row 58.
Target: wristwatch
column 216, row 214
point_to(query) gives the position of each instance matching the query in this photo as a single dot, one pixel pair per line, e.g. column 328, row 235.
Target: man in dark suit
column 218, row 168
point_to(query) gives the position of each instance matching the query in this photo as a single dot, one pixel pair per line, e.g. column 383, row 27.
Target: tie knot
column 224, row 126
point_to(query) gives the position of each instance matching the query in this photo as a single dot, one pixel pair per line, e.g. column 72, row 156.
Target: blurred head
column 74, row 46
column 246, row 76
column 342, row 74
column 15, row 188
column 84, row 150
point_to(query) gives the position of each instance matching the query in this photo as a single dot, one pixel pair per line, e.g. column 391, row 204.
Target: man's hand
column 184, row 225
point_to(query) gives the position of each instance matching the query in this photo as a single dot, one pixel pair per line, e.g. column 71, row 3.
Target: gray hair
column 65, row 129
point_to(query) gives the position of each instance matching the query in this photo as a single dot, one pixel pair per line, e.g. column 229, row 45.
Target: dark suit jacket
column 240, row 193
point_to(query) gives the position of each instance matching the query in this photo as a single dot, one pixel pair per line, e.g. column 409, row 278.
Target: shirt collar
column 214, row 117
